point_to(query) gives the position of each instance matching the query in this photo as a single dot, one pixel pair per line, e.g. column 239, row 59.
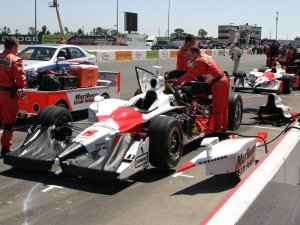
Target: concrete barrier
column 142, row 54
column 281, row 164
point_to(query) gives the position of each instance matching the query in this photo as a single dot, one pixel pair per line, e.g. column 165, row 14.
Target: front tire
column 53, row 115
column 166, row 142
column 235, row 111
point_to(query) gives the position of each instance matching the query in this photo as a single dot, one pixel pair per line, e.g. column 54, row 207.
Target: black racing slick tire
column 239, row 75
column 235, row 111
column 287, row 84
column 166, row 142
column 53, row 115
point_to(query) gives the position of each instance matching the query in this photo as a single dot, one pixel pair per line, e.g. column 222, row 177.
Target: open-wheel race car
column 264, row 79
column 124, row 137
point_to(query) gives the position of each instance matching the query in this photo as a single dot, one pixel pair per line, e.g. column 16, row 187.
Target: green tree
column 44, row 31
column 179, row 32
column 113, row 32
column 202, row 33
column 297, row 38
column 17, row 32
column 80, row 32
column 31, row 30
column 5, row 30
column 66, row 30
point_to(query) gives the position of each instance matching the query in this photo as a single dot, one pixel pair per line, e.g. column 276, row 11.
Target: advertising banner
column 173, row 53
column 23, row 39
column 139, row 54
column 123, row 55
column 163, row 53
column 106, row 56
column 152, row 54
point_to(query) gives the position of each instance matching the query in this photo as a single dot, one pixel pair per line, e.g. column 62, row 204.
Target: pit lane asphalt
column 150, row 197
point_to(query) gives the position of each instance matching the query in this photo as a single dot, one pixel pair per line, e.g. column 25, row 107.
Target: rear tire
column 235, row 111
column 287, row 84
column 239, row 75
column 166, row 142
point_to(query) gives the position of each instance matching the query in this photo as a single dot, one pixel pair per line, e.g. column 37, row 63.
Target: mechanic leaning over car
column 12, row 78
column 182, row 56
column 205, row 66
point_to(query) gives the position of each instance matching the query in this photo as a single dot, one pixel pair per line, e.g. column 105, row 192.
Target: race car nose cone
column 71, row 150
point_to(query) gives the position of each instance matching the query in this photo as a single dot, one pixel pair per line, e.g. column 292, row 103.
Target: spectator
column 236, row 54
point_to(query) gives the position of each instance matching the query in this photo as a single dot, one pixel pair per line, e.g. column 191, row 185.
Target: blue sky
column 190, row 15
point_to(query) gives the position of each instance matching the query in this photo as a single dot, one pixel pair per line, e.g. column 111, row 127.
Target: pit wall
column 281, row 164
column 119, row 55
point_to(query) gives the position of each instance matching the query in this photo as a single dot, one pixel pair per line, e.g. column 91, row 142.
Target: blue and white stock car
column 52, row 56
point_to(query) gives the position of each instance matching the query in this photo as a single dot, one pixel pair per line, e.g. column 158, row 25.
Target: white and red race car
column 124, row 137
column 275, row 80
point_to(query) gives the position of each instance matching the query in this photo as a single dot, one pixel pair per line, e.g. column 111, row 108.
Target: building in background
column 245, row 33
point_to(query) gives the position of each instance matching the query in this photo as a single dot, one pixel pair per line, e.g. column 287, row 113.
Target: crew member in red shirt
column 205, row 66
column 182, row 56
column 12, row 77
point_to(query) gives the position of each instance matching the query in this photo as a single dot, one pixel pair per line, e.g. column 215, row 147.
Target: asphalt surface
column 150, row 197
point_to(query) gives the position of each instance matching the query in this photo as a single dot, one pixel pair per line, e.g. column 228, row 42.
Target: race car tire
column 263, row 69
column 240, row 74
column 62, row 104
column 235, row 111
column 166, row 142
column 105, row 96
column 287, row 84
column 53, row 115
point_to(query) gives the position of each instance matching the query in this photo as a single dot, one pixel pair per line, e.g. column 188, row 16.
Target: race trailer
column 72, row 98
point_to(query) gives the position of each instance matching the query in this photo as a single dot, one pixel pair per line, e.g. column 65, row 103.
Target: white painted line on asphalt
column 182, row 175
column 260, row 127
column 27, row 203
column 51, row 187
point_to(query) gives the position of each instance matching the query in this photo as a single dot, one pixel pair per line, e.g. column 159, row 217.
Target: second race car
column 275, row 80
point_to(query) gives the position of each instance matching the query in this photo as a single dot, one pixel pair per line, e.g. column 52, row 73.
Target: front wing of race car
column 126, row 158
column 119, row 156
column 38, row 150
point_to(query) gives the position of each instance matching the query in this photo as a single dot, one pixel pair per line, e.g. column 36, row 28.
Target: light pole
column 117, row 17
column 35, row 34
column 169, row 20
column 276, row 23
